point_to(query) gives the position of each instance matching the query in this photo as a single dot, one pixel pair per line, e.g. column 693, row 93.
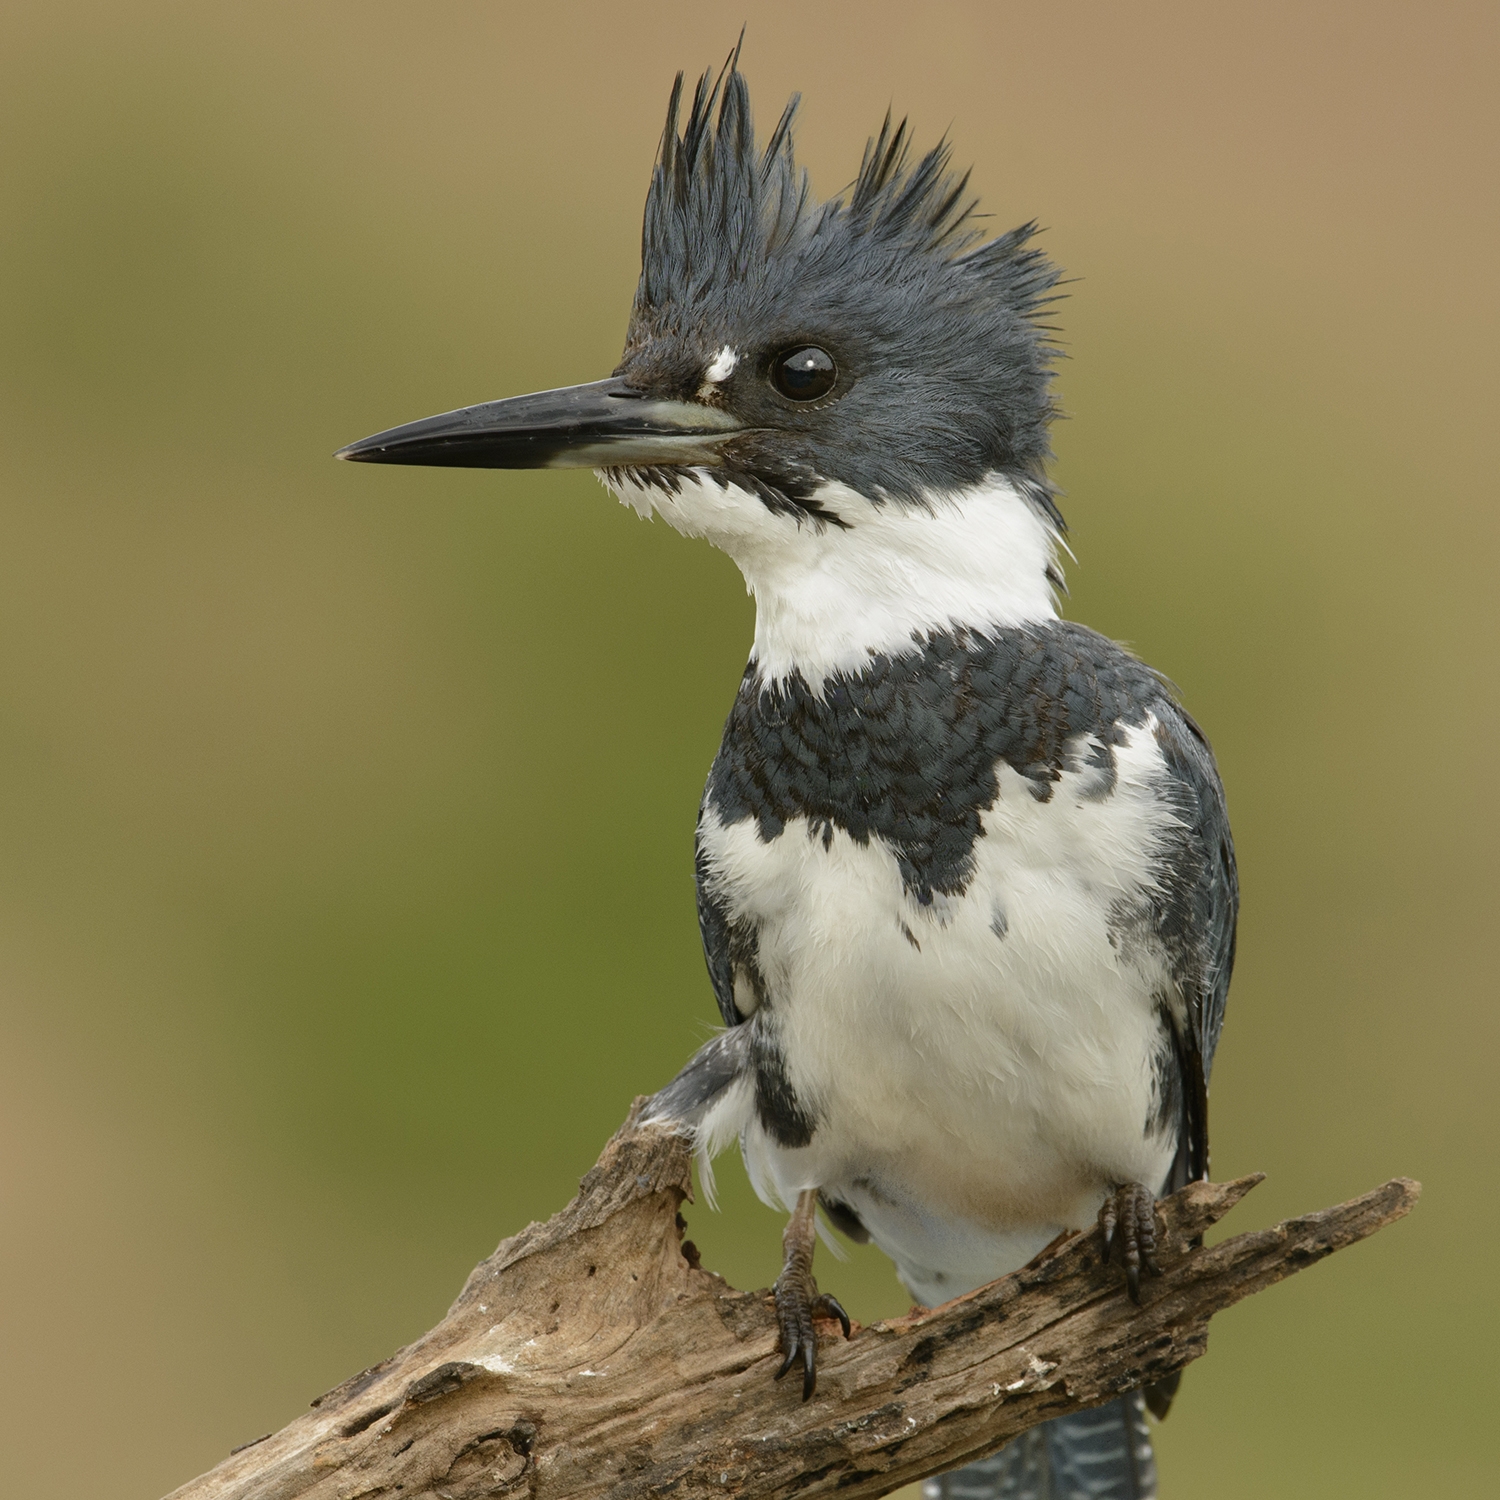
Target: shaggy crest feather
column 717, row 206
column 894, row 274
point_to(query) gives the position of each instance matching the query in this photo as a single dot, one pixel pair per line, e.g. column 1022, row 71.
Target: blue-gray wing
column 713, row 925
column 724, row 945
column 1199, row 906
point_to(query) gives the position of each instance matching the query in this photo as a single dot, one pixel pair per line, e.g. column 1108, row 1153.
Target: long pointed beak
column 578, row 427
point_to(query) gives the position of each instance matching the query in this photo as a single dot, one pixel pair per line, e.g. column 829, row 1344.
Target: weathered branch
column 588, row 1358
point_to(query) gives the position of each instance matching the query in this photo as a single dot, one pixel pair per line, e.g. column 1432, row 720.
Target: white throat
column 827, row 597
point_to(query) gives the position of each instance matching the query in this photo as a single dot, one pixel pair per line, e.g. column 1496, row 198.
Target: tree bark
column 590, row 1357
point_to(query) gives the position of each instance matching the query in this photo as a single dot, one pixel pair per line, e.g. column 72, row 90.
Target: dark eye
column 804, row 374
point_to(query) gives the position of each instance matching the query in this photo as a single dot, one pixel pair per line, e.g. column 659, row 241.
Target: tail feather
column 1102, row 1454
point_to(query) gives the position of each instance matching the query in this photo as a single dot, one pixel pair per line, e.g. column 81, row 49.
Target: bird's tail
column 1102, row 1454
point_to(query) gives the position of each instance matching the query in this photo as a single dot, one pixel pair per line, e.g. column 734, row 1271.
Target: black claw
column 809, row 1370
column 787, row 1363
column 831, row 1307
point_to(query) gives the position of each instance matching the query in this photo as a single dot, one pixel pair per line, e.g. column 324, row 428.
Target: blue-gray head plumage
column 942, row 362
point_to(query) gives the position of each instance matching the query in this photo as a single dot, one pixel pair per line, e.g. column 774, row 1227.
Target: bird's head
column 850, row 397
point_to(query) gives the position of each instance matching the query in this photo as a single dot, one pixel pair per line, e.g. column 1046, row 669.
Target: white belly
column 981, row 1069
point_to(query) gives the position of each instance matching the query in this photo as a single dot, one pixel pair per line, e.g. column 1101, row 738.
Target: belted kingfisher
column 965, row 877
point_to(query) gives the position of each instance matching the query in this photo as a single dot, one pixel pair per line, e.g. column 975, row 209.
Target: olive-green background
column 346, row 813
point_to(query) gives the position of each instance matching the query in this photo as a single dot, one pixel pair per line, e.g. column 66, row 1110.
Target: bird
column 965, row 877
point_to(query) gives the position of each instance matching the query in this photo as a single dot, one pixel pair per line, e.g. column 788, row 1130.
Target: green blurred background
column 345, row 840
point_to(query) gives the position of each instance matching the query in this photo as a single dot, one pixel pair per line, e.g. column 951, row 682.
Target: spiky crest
column 717, row 207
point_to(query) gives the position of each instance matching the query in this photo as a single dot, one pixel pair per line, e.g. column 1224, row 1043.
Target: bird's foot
column 1128, row 1220
column 798, row 1300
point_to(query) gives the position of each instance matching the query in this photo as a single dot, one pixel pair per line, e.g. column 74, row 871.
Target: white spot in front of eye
column 721, row 367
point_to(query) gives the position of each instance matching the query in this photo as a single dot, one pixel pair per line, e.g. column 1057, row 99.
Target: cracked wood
column 587, row 1357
